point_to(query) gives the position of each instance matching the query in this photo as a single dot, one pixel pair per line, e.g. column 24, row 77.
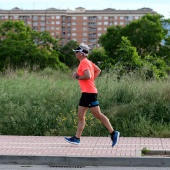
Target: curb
column 86, row 161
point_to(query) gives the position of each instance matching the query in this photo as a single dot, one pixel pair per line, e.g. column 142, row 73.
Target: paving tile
column 90, row 146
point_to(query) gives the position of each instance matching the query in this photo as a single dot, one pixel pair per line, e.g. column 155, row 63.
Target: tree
column 67, row 55
column 164, row 50
column 146, row 34
column 99, row 57
column 128, row 58
column 21, row 46
column 154, row 67
column 110, row 39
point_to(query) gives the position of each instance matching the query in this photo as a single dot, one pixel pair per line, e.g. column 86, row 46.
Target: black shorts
column 88, row 100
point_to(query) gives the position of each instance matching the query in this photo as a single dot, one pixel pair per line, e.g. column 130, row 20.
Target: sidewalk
column 90, row 147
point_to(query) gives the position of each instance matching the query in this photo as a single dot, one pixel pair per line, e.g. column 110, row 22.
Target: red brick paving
column 90, row 146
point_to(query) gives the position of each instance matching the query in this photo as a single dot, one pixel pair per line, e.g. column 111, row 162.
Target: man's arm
column 87, row 74
column 96, row 71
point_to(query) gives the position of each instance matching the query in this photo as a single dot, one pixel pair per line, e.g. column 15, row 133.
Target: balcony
column 93, row 18
column 92, row 35
column 92, row 24
column 92, row 29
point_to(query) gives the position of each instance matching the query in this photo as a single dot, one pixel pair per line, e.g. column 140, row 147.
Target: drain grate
column 55, row 166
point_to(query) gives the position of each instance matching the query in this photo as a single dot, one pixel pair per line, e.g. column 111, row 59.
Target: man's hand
column 75, row 75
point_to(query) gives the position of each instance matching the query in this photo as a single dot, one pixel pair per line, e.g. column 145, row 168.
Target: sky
column 160, row 6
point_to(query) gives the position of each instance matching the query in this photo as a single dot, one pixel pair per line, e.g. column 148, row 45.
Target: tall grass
column 45, row 103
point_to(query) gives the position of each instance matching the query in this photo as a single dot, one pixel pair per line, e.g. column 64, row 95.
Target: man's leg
column 81, row 124
column 81, row 120
column 105, row 121
column 114, row 134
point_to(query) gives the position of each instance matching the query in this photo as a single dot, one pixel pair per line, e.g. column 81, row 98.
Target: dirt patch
column 155, row 153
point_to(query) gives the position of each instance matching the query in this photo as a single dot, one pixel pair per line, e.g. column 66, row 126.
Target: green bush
column 45, row 103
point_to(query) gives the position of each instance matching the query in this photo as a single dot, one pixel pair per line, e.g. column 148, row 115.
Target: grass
column 45, row 103
column 145, row 151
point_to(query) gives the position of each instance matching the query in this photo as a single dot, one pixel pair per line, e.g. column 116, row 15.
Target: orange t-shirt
column 87, row 86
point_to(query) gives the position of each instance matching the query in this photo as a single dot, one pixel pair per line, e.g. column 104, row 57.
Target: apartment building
column 80, row 24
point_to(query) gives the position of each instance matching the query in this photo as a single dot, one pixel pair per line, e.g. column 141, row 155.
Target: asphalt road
column 46, row 167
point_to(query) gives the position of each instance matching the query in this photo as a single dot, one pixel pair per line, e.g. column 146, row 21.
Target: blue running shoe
column 73, row 140
column 115, row 138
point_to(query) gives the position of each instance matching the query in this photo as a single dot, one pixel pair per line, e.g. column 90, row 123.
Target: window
column 48, row 28
column 73, row 23
column 2, row 17
column 92, row 24
column 73, row 34
column 57, row 28
column 115, row 23
column 84, row 23
column 105, row 18
column 99, row 28
column 121, row 18
column 121, row 23
column 137, row 17
column 84, row 39
column 57, row 22
column 99, row 17
column 15, row 17
column 52, row 28
column 84, row 18
column 99, row 23
column 74, row 39
column 84, row 28
column 57, row 17
column 35, row 23
column 73, row 18
column 42, row 23
column 111, row 18
column 35, row 18
column 93, row 18
column 52, row 22
column 92, row 35
column 52, row 33
column 115, row 17
column 73, row 28
column 35, row 28
column 52, row 17
column 99, row 34
column 105, row 23
column 92, row 40
column 42, row 28
column 84, row 34
column 42, row 18
column 130, row 18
